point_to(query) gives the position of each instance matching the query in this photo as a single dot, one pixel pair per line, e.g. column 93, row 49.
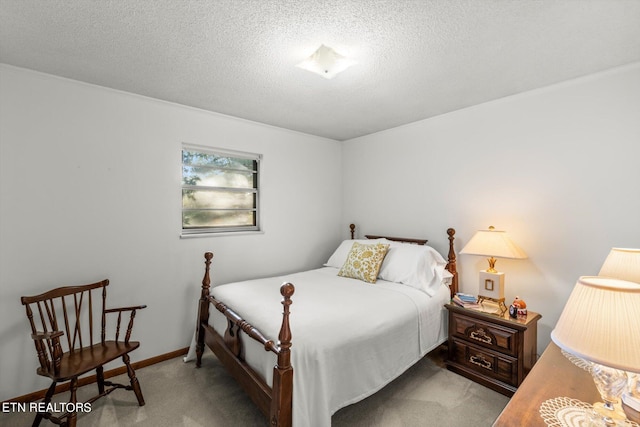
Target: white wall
column 87, row 192
column 90, row 189
column 558, row 168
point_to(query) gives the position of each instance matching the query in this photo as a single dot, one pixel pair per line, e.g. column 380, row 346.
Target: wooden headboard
column 451, row 266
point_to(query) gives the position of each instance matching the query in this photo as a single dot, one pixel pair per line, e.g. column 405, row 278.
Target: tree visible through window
column 219, row 191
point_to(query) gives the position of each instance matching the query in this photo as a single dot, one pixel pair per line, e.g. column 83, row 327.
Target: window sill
column 222, row 233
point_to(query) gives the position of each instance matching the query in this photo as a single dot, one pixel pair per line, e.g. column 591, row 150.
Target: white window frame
column 211, row 231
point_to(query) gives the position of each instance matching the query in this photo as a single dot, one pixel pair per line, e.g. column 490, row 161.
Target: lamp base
column 491, row 284
column 502, row 308
column 610, row 414
column 610, row 382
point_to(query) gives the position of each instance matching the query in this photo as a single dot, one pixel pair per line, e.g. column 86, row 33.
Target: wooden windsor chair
column 61, row 321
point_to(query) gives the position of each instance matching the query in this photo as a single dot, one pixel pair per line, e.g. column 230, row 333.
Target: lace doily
column 579, row 362
column 567, row 412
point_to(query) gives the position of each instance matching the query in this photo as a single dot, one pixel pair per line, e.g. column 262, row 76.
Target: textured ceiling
column 416, row 59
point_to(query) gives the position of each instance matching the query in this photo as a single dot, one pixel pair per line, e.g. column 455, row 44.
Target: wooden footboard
column 276, row 401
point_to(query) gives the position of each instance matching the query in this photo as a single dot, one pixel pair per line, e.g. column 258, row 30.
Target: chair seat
column 78, row 362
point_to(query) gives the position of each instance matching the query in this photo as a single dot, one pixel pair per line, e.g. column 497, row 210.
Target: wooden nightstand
column 495, row 351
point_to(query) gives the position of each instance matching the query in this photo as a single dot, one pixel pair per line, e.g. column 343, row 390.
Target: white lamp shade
column 601, row 323
column 623, row 264
column 494, row 243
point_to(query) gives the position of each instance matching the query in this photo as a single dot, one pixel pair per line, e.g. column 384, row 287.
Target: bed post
column 451, row 265
column 282, row 396
column 352, row 227
column 203, row 309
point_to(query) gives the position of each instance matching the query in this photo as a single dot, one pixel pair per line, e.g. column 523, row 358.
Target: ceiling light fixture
column 326, row 62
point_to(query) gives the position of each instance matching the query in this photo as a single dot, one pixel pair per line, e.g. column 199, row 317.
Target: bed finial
column 203, row 309
column 286, row 290
column 281, row 401
column 352, row 227
column 451, row 262
column 452, row 253
column 206, row 280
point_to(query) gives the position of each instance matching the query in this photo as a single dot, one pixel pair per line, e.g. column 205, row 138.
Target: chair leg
column 73, row 416
column 47, row 399
column 100, row 379
column 135, row 385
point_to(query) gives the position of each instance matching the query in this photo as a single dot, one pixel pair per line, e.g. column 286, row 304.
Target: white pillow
column 447, row 277
column 339, row 256
column 418, row 266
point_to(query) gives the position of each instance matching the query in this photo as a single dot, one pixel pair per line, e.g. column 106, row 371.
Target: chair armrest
column 121, row 309
column 131, row 317
column 46, row 335
column 45, row 350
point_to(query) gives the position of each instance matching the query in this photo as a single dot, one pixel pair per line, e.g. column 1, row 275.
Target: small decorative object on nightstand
column 492, row 243
column 495, row 351
column 518, row 308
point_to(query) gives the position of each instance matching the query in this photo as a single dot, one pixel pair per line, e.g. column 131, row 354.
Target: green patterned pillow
column 363, row 262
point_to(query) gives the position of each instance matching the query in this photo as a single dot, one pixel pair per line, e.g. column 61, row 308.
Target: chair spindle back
column 66, row 318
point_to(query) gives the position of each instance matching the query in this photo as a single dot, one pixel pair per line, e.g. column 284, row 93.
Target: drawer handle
column 480, row 361
column 480, row 335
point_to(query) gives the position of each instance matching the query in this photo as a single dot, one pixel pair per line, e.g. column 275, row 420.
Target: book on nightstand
column 466, row 301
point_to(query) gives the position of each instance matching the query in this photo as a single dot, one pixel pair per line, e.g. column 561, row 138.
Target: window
column 219, row 191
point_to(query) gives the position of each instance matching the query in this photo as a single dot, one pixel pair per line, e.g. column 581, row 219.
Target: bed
column 353, row 335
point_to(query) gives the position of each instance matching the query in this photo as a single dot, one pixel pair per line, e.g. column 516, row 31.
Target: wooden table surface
column 552, row 376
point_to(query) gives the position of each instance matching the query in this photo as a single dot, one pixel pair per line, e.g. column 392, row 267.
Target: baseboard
column 37, row 395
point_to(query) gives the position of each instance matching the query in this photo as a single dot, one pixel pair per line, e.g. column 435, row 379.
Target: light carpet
column 178, row 394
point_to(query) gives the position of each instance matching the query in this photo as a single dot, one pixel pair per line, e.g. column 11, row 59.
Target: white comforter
column 349, row 340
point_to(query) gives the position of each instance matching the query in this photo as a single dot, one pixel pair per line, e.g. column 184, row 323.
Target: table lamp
column 601, row 324
column 493, row 244
column 624, row 264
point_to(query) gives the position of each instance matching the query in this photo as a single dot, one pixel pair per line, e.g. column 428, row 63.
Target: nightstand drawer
column 488, row 363
column 495, row 351
column 485, row 334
